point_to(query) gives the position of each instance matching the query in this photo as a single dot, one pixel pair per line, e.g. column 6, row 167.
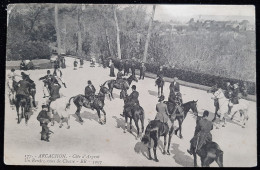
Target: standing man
column 47, row 80
column 90, row 91
column 58, row 75
column 142, row 71
column 121, row 65
column 75, row 64
column 234, row 97
column 44, row 119
column 112, row 68
column 23, row 66
column 202, row 135
column 133, row 67
column 81, row 62
column 126, row 67
column 119, row 76
column 244, row 89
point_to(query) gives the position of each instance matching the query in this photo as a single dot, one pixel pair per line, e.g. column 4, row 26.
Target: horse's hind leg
column 154, row 149
column 169, row 140
column 180, row 125
column 162, row 90
column 137, row 127
column 149, row 150
column 105, row 119
column 158, row 91
column 164, row 144
column 131, row 125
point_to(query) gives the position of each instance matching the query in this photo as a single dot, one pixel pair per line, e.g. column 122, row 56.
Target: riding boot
column 64, row 85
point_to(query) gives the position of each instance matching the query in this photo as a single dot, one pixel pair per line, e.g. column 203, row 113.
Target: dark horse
column 21, row 102
column 156, row 128
column 160, row 83
column 113, row 84
column 136, row 113
column 191, row 105
column 98, row 104
column 208, row 153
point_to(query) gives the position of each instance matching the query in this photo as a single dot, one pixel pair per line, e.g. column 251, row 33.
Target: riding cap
column 89, row 82
column 12, row 70
column 25, row 73
column 161, row 98
column 205, row 113
column 134, row 87
column 48, row 71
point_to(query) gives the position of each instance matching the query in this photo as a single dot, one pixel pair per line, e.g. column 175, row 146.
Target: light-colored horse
column 224, row 104
column 59, row 107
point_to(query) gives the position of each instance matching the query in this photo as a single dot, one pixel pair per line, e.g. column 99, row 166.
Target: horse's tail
column 146, row 138
column 105, row 83
column 142, row 114
column 68, row 104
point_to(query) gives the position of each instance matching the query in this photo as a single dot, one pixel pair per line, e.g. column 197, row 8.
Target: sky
column 183, row 12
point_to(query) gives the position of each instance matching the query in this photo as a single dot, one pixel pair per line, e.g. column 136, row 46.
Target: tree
column 149, row 34
column 117, row 35
column 57, row 29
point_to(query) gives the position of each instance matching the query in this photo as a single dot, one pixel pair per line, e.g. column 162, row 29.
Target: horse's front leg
column 180, row 126
column 158, row 91
column 131, row 124
column 170, row 137
column 154, row 149
column 105, row 119
column 78, row 113
column 99, row 118
column 162, row 90
column 195, row 159
column 164, row 144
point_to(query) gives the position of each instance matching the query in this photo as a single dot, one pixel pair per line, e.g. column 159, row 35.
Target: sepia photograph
column 143, row 85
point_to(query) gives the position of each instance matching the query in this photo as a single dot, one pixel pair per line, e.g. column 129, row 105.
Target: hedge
column 192, row 77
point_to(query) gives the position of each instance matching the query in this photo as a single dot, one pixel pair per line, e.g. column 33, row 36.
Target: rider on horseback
column 58, row 74
column 90, row 93
column 23, row 89
column 202, row 134
column 162, row 111
column 47, row 80
column 178, row 103
column 132, row 101
column 233, row 97
column 119, row 77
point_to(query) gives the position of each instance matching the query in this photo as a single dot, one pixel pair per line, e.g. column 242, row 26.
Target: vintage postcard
column 130, row 85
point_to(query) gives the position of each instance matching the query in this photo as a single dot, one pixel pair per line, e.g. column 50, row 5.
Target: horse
column 160, row 83
column 105, row 90
column 224, row 102
column 57, row 107
column 191, row 105
column 136, row 113
column 98, row 105
column 208, row 153
column 153, row 131
column 113, row 84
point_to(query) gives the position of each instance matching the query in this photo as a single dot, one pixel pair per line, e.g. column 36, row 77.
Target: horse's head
column 104, row 89
column 193, row 107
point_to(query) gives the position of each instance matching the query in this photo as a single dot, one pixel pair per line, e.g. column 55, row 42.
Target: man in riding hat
column 90, row 93
column 44, row 118
column 175, row 86
column 23, row 89
column 142, row 71
column 234, row 97
column 178, row 103
column 162, row 111
column 58, row 75
column 202, row 135
column 119, row 76
column 133, row 100
column 47, row 80
column 33, row 86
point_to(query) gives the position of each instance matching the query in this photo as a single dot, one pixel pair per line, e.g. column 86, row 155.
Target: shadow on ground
column 121, row 124
column 180, row 157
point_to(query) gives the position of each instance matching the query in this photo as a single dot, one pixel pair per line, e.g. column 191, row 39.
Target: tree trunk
column 117, row 35
column 148, row 35
column 57, row 29
column 108, row 43
column 79, row 35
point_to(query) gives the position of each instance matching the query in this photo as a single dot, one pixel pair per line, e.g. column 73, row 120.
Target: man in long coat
column 132, row 101
column 162, row 111
column 203, row 135
column 44, row 119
